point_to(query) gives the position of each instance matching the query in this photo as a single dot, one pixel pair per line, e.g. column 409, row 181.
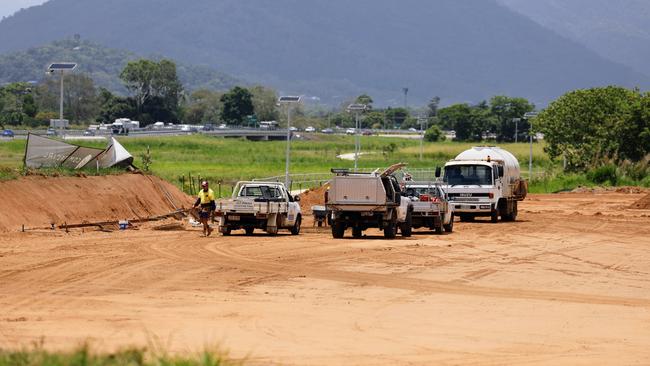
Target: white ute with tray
column 265, row 206
column 368, row 200
column 430, row 206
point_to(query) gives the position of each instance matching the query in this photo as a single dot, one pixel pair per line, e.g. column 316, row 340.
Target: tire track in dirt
column 419, row 285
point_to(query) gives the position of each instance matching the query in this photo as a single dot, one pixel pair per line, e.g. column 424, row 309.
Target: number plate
column 234, row 218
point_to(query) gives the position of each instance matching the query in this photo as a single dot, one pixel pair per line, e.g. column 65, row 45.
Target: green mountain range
column 460, row 50
column 103, row 64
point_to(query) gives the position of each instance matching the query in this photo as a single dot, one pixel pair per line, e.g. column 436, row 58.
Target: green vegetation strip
column 229, row 160
column 129, row 357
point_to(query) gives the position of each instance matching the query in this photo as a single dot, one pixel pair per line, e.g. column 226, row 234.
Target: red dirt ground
column 566, row 284
column 38, row 202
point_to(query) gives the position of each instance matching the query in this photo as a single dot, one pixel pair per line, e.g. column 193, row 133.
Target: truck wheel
column 407, row 227
column 439, row 227
column 450, row 227
column 494, row 216
column 249, row 230
column 513, row 214
column 390, row 230
column 225, row 231
column 295, row 230
column 338, row 229
column 357, row 232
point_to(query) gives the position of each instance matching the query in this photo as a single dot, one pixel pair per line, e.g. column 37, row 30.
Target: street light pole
column 357, row 142
column 288, row 155
column 61, row 99
column 61, row 67
column 357, row 108
column 529, row 116
column 288, row 101
column 422, row 121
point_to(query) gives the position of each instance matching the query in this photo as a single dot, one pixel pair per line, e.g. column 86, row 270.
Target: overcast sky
column 8, row 7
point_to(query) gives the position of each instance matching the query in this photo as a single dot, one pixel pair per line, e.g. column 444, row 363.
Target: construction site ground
column 567, row 284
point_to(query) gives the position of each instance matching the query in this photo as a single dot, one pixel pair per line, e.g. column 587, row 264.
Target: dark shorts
column 205, row 214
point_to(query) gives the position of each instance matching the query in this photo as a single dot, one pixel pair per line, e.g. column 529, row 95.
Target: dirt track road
column 569, row 283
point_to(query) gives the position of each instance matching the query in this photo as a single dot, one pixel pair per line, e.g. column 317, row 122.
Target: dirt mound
column 628, row 190
column 312, row 197
column 40, row 201
column 642, row 204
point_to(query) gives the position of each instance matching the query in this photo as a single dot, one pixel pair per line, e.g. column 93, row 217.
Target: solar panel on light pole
column 61, row 67
column 357, row 108
column 288, row 101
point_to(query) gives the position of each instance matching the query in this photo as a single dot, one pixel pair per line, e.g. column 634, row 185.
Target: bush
column 635, row 171
column 433, row 134
column 603, row 174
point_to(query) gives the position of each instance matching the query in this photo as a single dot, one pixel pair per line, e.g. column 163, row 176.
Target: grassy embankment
column 230, row 160
column 130, row 357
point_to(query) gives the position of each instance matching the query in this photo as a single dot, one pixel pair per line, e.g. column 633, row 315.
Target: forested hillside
column 102, row 64
column 460, row 50
column 618, row 30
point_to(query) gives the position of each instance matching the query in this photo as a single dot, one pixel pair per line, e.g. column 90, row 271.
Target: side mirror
column 296, row 198
column 500, row 171
column 438, row 171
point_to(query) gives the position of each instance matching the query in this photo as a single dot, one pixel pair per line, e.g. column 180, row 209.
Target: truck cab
column 484, row 181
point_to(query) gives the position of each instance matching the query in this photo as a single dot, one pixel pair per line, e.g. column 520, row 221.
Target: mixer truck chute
column 485, row 181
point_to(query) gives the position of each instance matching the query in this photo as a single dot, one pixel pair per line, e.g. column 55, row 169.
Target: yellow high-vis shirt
column 206, row 197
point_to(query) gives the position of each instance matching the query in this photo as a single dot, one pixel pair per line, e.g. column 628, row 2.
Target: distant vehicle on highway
column 208, row 127
column 89, row 133
column 327, row 131
column 350, row 131
column 367, row 133
column 8, row 133
column 269, row 125
column 412, row 129
column 51, row 132
column 223, row 126
column 293, row 129
column 310, row 129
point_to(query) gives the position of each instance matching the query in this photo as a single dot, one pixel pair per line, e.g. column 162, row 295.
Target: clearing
column 568, row 283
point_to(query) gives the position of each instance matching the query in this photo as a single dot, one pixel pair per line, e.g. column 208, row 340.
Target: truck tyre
column 295, row 230
column 249, row 230
column 390, row 230
column 513, row 214
column 225, row 231
column 338, row 229
column 439, row 227
column 450, row 227
column 357, row 232
column 494, row 216
column 407, row 227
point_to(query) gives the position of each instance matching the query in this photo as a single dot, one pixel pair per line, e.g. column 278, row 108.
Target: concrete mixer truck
column 484, row 181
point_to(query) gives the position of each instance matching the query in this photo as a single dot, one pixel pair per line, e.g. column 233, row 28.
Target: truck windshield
column 466, row 175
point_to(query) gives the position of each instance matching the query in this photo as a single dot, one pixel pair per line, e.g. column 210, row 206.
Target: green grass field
column 231, row 160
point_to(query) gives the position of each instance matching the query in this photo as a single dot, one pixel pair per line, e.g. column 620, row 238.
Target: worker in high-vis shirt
column 208, row 206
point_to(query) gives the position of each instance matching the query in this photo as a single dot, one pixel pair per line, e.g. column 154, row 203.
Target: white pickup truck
column 430, row 206
column 266, row 206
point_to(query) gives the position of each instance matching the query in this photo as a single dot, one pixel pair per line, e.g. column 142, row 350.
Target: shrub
column 433, row 134
column 603, row 174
